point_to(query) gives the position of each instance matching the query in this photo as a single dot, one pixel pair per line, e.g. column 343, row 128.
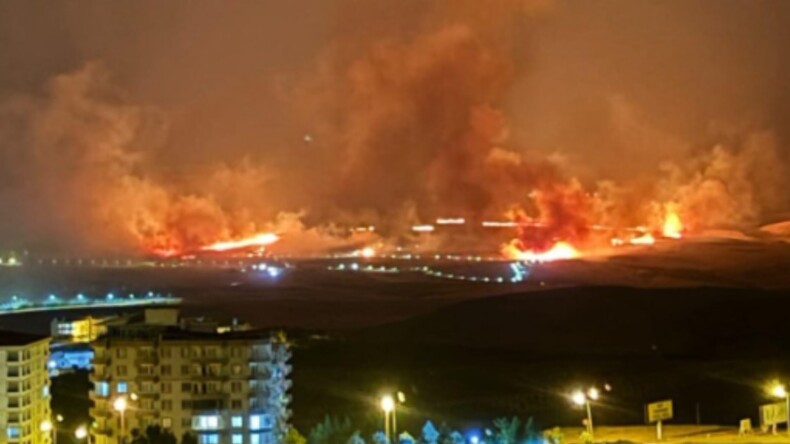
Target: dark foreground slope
column 709, row 349
column 607, row 321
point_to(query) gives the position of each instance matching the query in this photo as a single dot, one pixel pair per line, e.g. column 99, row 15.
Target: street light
column 583, row 399
column 82, row 433
column 120, row 405
column 779, row 391
column 389, row 404
column 48, row 428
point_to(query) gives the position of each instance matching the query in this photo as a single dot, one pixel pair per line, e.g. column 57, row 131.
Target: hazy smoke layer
column 383, row 114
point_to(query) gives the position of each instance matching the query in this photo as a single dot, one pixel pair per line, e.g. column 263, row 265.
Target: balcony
column 103, row 359
column 148, row 395
column 283, row 354
column 260, row 356
column 147, row 359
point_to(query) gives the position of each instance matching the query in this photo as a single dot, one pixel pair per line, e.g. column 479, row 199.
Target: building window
column 235, row 404
column 165, row 352
column 186, row 422
column 236, row 369
column 206, row 422
column 186, row 404
column 120, row 352
column 102, row 388
column 235, row 386
column 186, row 387
column 13, row 432
column 237, row 421
column 121, row 370
column 255, row 438
column 237, row 438
column 211, row 438
column 166, row 387
column 122, row 387
column 259, row 422
column 167, row 423
column 184, row 352
column 45, row 391
column 184, row 369
column 166, row 370
column 167, row 405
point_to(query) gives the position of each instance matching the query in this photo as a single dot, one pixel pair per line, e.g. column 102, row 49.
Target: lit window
column 212, row 422
column 208, row 422
column 255, row 422
column 12, row 431
column 45, row 391
column 237, row 422
column 258, row 422
column 212, row 438
column 122, row 387
column 167, row 422
column 103, row 388
column 255, row 438
column 237, row 439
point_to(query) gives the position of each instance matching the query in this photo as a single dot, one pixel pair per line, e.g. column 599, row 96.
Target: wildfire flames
column 524, row 246
column 558, row 251
column 259, row 240
column 673, row 227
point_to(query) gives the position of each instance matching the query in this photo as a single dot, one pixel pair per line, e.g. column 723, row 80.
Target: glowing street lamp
column 389, row 405
column 82, row 433
column 779, row 390
column 584, row 399
column 120, row 405
column 47, row 427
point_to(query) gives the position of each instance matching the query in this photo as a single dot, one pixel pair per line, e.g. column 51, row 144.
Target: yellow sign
column 659, row 411
column 771, row 414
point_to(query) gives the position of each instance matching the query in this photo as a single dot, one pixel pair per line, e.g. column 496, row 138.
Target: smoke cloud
column 561, row 115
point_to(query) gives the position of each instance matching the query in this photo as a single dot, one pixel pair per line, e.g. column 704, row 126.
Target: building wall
column 24, row 393
column 213, row 388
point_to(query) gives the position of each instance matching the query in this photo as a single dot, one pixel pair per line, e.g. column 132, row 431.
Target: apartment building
column 24, row 388
column 225, row 388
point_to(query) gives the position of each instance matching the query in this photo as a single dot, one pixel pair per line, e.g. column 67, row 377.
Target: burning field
column 395, row 139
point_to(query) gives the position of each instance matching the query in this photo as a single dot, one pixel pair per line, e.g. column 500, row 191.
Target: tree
column 137, row 437
column 429, row 433
column 189, row 438
column 355, row 438
column 294, row 437
column 457, row 438
column 554, row 436
column 155, row 434
column 506, row 430
column 532, row 432
column 406, row 438
column 380, row 438
column 330, row 431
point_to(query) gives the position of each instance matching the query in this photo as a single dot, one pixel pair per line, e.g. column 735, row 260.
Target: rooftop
column 14, row 338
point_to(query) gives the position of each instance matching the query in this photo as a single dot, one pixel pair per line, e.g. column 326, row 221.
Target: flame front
column 558, row 251
column 259, row 240
column 673, row 227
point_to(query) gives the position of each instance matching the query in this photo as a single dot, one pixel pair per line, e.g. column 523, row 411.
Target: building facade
column 24, row 388
column 229, row 388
